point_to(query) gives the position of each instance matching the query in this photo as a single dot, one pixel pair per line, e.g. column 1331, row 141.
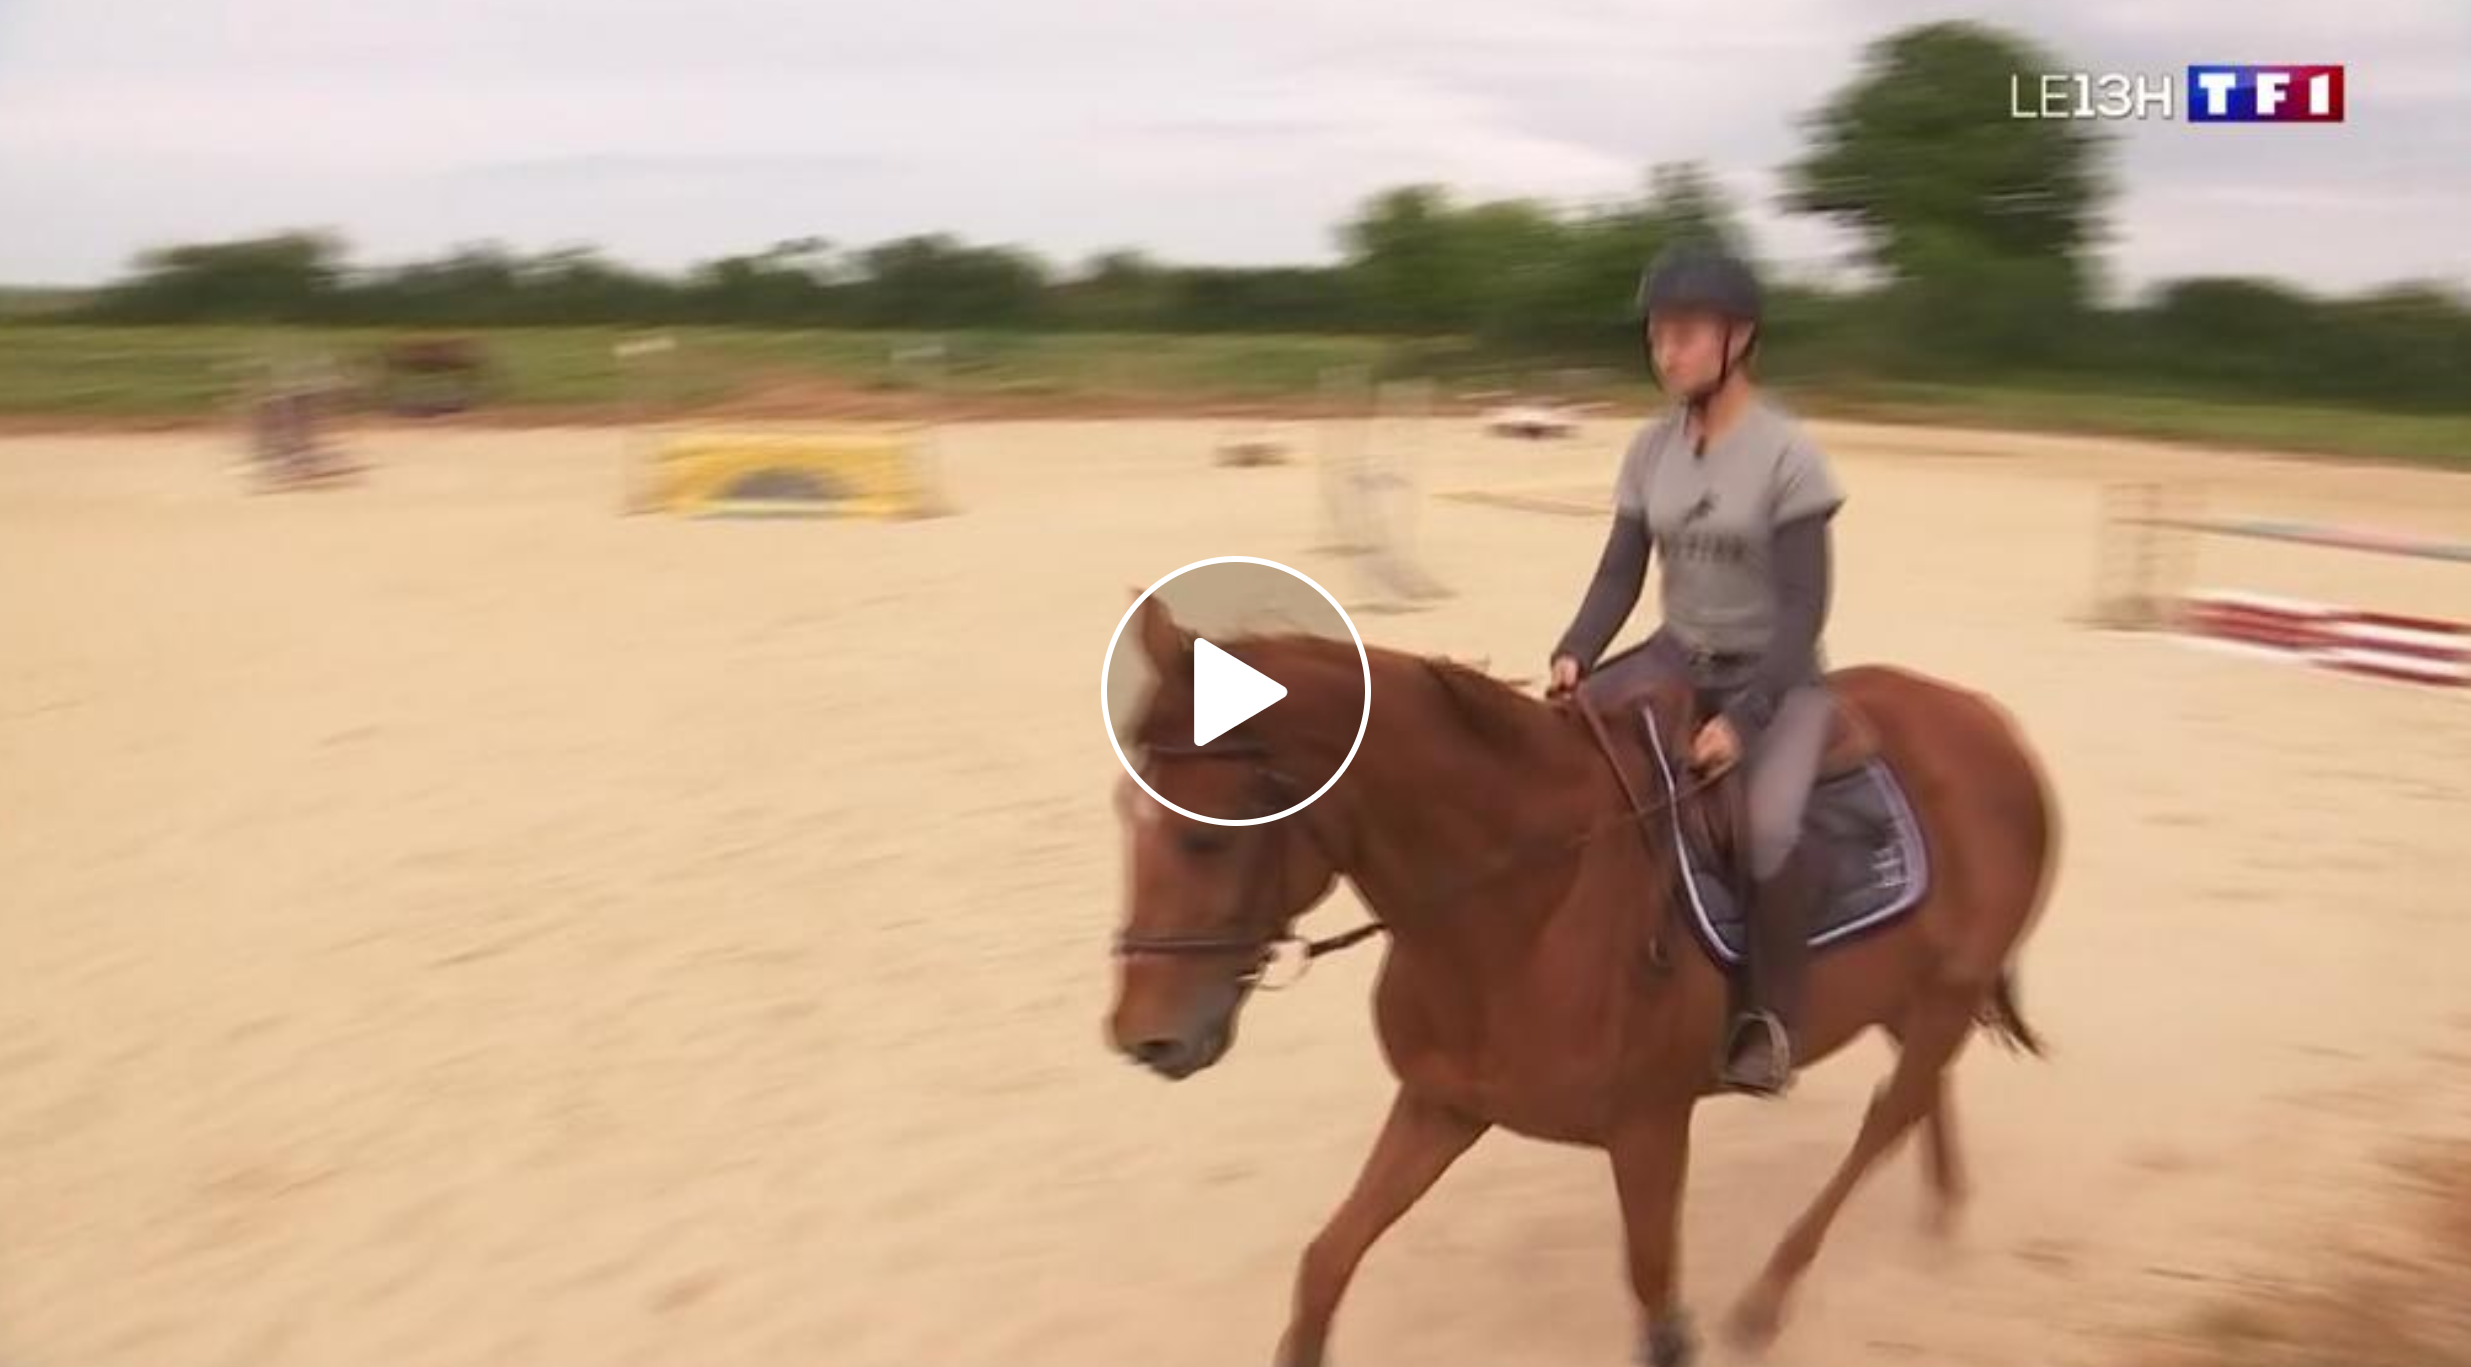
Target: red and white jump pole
column 2148, row 531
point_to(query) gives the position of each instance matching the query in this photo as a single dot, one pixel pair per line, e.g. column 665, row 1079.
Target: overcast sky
column 1234, row 131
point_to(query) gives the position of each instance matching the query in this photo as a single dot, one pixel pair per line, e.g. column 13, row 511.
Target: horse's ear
column 1169, row 646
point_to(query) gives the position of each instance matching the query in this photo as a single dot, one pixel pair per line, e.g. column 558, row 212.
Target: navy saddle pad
column 1876, row 868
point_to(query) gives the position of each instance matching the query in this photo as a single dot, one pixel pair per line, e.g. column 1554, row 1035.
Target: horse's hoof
column 1757, row 1317
column 1669, row 1343
column 1943, row 1220
column 1293, row 1355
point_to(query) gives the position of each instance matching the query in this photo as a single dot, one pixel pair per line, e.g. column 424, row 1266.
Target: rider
column 1740, row 501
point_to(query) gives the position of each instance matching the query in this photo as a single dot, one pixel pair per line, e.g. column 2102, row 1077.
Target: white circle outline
column 1107, row 669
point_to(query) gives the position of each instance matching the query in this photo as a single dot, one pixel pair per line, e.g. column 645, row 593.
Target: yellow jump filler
column 838, row 474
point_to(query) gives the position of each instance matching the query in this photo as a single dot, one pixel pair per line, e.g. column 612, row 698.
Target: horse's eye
column 1201, row 842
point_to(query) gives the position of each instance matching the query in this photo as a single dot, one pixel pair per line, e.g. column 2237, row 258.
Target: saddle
column 1857, row 824
column 1715, row 826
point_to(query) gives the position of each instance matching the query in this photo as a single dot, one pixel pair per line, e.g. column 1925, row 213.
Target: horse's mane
column 1491, row 710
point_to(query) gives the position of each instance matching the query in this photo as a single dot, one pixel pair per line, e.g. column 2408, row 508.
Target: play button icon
column 1216, row 645
column 1226, row 691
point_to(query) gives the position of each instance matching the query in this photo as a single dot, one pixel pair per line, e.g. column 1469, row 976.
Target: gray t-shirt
column 1713, row 516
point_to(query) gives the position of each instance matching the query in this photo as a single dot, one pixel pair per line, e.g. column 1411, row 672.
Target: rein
column 1265, row 948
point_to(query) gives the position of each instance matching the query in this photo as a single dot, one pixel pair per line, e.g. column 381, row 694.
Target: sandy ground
column 443, row 922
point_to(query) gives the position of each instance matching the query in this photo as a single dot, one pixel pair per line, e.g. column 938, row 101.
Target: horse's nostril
column 1158, row 1053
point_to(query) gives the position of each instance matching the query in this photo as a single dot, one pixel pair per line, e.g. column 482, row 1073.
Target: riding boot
column 1759, row 1053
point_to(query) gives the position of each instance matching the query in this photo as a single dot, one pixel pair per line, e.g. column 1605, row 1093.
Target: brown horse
column 1531, row 980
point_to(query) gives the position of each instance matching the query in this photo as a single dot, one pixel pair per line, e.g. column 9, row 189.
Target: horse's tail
column 2000, row 1015
column 2005, row 1021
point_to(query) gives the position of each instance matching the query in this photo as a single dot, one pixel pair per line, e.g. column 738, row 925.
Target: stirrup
column 1778, row 1076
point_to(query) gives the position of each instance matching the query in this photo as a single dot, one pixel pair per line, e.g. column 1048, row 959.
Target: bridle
column 1263, row 947
column 1277, row 790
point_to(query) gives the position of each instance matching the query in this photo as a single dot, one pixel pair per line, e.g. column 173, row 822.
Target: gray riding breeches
column 1782, row 763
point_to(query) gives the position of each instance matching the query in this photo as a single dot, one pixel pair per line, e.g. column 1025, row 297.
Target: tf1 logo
column 2264, row 94
column 2215, row 94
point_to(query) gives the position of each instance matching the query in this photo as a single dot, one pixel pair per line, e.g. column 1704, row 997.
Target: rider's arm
column 1801, row 559
column 1620, row 572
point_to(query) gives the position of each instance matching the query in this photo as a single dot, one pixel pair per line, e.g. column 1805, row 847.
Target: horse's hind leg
column 1940, row 1022
column 1418, row 1143
column 1942, row 1161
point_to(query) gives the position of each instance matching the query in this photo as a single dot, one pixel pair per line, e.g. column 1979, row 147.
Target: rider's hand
column 1716, row 747
column 1565, row 675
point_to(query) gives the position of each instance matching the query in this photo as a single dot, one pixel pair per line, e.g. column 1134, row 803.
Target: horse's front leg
column 1418, row 1143
column 1651, row 1153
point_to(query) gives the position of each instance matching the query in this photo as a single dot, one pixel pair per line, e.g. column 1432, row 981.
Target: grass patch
column 2439, row 439
column 77, row 373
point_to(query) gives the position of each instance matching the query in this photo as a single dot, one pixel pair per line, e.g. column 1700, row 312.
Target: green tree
column 2405, row 345
column 1259, row 299
column 475, row 283
column 580, row 285
column 1685, row 202
column 939, row 281
column 1407, row 260
column 285, row 278
column 2408, row 344
column 1568, row 284
column 1973, row 215
column 1121, row 290
column 786, row 284
column 1505, row 253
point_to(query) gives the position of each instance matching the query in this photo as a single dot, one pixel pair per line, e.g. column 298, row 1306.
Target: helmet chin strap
column 1697, row 400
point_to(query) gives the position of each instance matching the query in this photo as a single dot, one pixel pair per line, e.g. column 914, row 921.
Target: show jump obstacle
column 762, row 474
column 288, row 409
column 843, row 470
column 2149, row 538
column 1370, row 477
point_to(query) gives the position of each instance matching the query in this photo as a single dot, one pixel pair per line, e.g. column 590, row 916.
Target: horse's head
column 1209, row 906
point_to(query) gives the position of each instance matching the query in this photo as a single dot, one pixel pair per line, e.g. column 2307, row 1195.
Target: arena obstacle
column 2148, row 545
column 848, row 470
column 1339, row 458
column 1250, row 446
column 923, row 369
column 2381, row 645
column 1369, row 459
column 1546, row 409
column 765, row 474
column 288, row 406
column 1532, row 421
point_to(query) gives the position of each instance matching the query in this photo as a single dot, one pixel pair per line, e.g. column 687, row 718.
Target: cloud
column 671, row 129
